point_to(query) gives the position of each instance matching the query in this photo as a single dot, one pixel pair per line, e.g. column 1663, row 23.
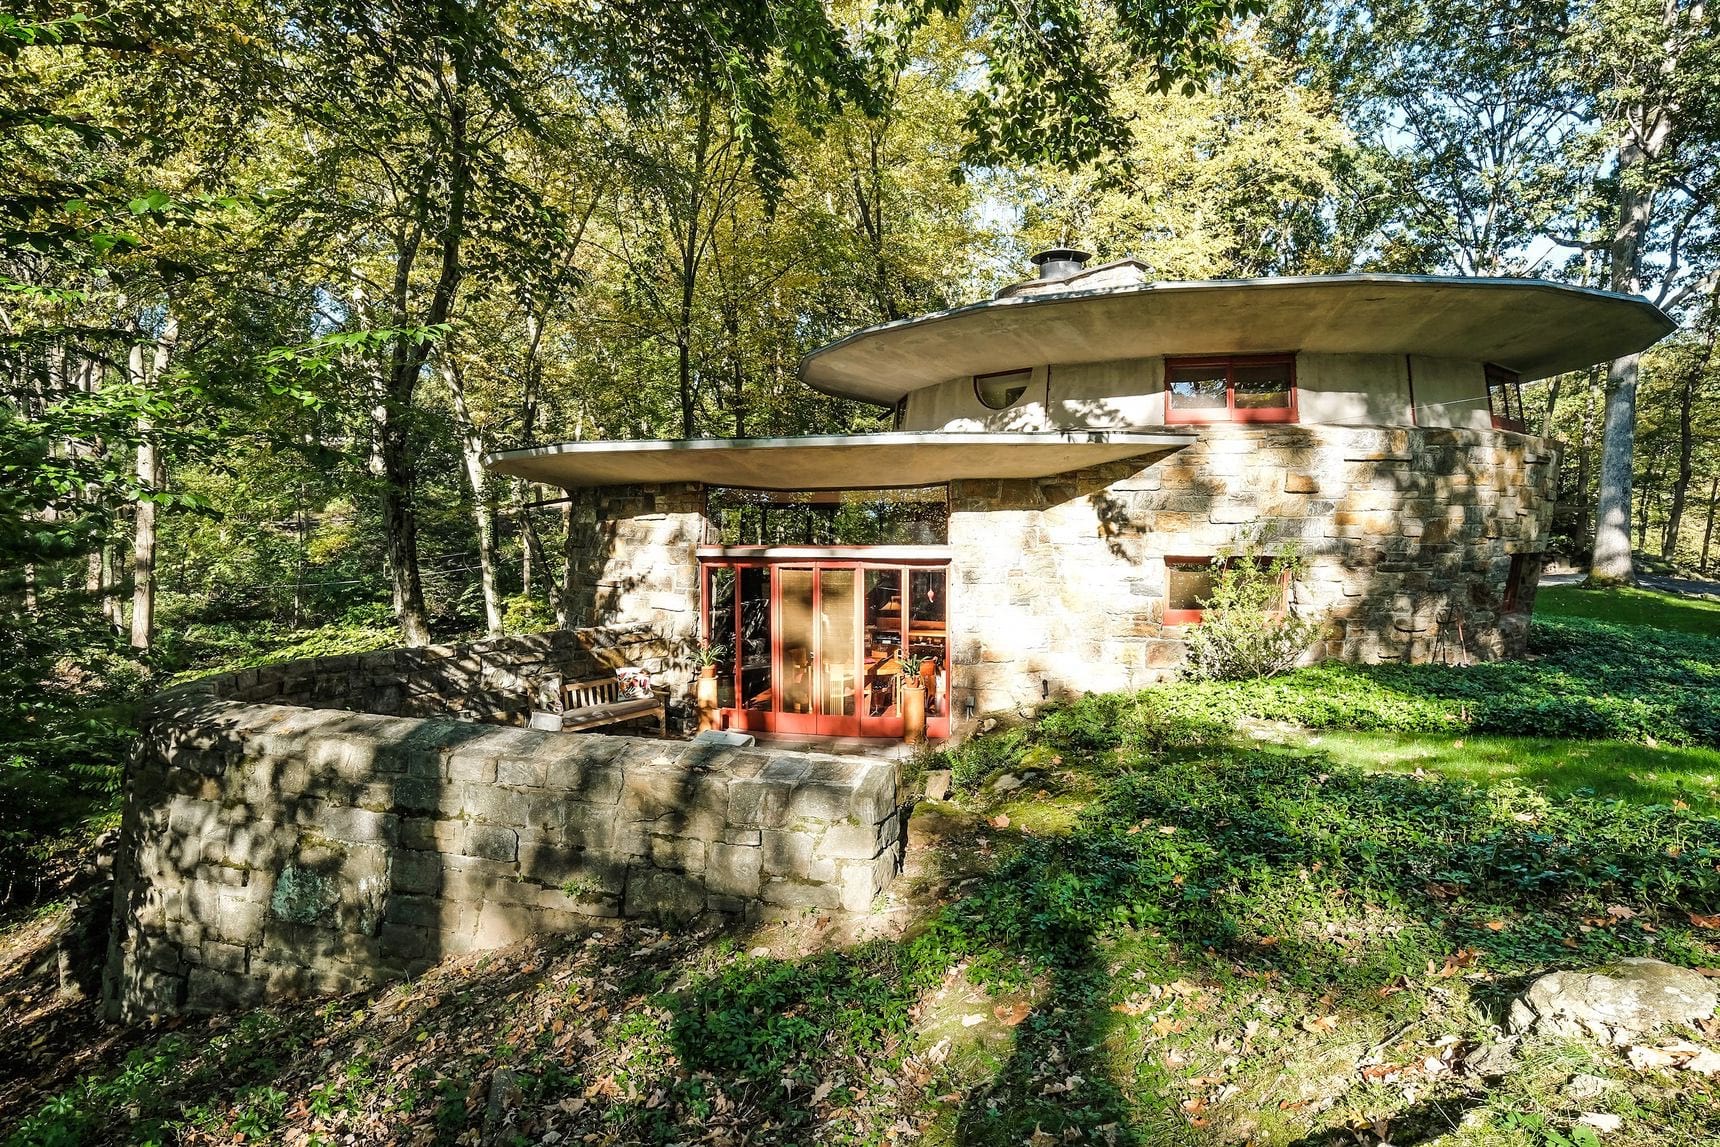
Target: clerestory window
column 1254, row 388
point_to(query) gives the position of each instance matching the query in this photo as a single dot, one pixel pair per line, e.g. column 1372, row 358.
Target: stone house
column 1067, row 461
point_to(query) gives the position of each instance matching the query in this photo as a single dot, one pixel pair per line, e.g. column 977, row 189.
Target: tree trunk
column 1585, row 464
column 1708, row 531
column 1611, row 563
column 400, row 524
column 1686, row 432
column 1649, row 478
column 408, row 354
column 108, row 583
column 1681, row 484
column 152, row 476
column 529, row 544
column 483, row 511
column 1552, row 405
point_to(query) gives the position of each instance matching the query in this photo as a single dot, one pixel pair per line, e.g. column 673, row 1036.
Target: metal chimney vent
column 1060, row 262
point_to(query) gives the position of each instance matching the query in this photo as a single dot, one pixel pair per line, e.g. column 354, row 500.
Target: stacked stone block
column 1408, row 537
column 271, row 851
column 489, row 680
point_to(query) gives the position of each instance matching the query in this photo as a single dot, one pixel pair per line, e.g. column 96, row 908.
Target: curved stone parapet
column 273, row 849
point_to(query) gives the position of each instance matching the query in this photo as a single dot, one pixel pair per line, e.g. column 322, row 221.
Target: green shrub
column 1583, row 679
column 1249, row 628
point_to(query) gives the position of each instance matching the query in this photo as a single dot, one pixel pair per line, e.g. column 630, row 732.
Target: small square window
column 1188, row 587
column 1520, row 583
column 1505, row 399
column 1254, row 389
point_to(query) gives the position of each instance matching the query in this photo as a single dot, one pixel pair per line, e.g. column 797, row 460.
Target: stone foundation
column 1408, row 536
column 270, row 850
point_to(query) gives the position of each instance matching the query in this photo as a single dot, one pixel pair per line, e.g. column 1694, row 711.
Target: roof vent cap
column 1060, row 262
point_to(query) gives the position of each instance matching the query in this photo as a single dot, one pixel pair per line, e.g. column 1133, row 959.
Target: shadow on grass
column 1209, row 853
column 1233, row 862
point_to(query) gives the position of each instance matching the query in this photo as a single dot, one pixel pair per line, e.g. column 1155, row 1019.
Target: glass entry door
column 821, row 647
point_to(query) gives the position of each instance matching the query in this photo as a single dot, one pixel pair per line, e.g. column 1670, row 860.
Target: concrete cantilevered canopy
column 1534, row 328
column 833, row 462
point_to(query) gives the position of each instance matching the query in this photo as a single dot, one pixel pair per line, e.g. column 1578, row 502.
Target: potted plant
column 706, row 656
column 911, row 699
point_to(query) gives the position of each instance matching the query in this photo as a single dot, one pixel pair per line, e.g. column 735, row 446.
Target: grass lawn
column 1158, row 932
column 1637, row 773
column 1626, row 606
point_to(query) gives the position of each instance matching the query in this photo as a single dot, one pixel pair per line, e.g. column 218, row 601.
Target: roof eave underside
column 837, row 462
column 1535, row 328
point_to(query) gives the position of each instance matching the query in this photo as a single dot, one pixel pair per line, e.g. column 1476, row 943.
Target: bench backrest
column 583, row 694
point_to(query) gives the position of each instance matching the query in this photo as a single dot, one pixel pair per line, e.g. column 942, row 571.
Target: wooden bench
column 579, row 705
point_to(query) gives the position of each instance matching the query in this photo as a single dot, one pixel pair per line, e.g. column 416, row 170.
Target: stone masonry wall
column 269, row 850
column 632, row 553
column 1407, row 535
column 491, row 680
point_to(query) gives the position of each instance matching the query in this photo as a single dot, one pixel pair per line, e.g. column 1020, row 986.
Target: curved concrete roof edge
column 1266, row 283
column 1096, row 436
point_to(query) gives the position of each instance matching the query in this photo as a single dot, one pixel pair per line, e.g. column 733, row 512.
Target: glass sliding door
column 838, row 653
column 755, row 648
column 818, row 646
column 796, row 643
column 720, row 629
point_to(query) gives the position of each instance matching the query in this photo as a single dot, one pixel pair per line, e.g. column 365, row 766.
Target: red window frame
column 1499, row 376
column 777, row 719
column 1517, row 580
column 1231, row 413
column 1196, row 616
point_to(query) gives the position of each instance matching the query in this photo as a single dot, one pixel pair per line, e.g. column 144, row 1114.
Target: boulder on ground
column 938, row 784
column 1630, row 997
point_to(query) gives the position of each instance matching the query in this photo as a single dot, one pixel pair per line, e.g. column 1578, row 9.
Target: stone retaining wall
column 489, row 680
column 1408, row 534
column 269, row 850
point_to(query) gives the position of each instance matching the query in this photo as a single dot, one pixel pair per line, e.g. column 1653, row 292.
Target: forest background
column 274, row 274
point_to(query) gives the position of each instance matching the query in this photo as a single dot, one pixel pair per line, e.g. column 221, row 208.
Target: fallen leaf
column 1603, row 1121
column 1001, row 820
column 1321, row 1025
column 1620, row 912
column 1012, row 1014
column 1496, row 925
column 1704, row 921
column 972, row 1019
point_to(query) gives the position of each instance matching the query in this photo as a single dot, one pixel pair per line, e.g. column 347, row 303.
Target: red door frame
column 816, row 723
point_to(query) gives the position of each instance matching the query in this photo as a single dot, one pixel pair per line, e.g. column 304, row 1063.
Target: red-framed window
column 1520, row 583
column 1505, row 399
column 1188, row 585
column 1231, row 388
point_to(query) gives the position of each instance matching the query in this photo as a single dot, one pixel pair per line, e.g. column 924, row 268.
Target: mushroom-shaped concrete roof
column 1533, row 327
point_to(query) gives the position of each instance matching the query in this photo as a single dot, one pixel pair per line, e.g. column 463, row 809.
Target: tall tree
column 1654, row 72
